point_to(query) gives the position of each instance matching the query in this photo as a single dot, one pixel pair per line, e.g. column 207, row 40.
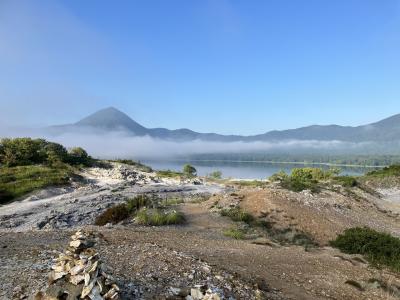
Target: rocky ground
column 80, row 203
column 196, row 259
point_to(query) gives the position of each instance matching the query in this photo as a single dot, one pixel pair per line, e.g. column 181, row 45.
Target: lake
column 245, row 170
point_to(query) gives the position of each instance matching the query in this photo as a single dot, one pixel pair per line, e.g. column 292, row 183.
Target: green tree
column 56, row 153
column 22, row 151
column 78, row 155
column 189, row 170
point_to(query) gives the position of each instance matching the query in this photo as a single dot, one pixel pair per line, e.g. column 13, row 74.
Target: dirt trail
column 199, row 218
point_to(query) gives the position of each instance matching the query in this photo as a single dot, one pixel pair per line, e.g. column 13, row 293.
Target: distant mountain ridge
column 111, row 119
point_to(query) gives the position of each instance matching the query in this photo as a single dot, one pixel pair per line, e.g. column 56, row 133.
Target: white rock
column 56, row 275
column 76, row 270
column 87, row 279
column 175, row 291
column 77, row 279
column 196, row 294
column 76, row 244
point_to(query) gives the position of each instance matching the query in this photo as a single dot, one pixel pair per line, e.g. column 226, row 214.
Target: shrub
column 27, row 151
column 189, row 170
column 236, row 233
column 215, row 175
column 379, row 248
column 304, row 178
column 346, row 181
column 298, row 184
column 280, row 176
column 146, row 210
column 114, row 215
column 237, row 215
column 139, row 201
column 157, row 217
column 78, row 156
column 22, row 151
column 393, row 170
column 313, row 174
column 55, row 153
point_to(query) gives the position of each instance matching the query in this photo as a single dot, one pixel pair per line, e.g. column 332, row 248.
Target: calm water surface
column 243, row 170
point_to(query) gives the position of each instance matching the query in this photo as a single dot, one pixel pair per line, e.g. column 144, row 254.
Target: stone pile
column 78, row 273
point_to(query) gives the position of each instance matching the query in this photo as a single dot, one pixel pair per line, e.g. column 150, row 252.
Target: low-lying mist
column 112, row 145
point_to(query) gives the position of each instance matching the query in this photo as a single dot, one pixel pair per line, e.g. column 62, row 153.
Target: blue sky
column 213, row 66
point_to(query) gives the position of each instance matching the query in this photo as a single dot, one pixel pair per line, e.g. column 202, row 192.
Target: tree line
column 28, row 151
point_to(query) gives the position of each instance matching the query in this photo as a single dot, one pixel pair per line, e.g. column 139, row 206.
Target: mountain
column 111, row 119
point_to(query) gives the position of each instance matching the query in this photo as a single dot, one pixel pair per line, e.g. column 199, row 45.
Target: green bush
column 113, row 215
column 379, row 248
column 298, row 185
column 145, row 208
column 55, row 153
column 22, row 151
column 139, row 201
column 346, row 181
column 237, row 215
column 27, row 151
column 393, row 170
column 280, row 176
column 313, row 174
column 304, row 178
column 78, row 156
column 189, row 170
column 215, row 175
column 156, row 217
column 235, row 233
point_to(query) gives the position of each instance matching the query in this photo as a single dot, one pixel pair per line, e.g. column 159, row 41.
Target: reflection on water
column 250, row 170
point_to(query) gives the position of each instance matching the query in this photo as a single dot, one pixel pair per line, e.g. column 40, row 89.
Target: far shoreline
column 271, row 162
